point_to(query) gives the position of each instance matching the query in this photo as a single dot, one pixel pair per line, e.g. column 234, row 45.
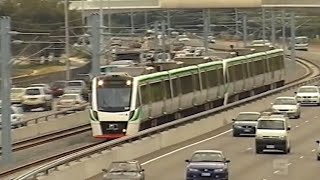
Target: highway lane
column 245, row 164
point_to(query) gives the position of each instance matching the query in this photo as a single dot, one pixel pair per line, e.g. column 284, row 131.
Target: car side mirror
column 188, row 161
column 295, row 92
column 318, row 142
column 288, row 128
column 233, row 119
column 105, row 170
column 142, row 170
column 227, row 161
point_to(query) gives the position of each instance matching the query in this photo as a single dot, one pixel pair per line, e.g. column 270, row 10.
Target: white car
column 16, row 116
column 36, row 97
column 273, row 134
column 286, row 105
column 183, row 39
column 308, row 95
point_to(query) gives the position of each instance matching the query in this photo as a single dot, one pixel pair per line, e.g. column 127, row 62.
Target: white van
column 272, row 134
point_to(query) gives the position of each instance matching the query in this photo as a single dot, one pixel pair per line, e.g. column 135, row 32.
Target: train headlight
column 128, row 83
column 124, row 130
column 100, row 82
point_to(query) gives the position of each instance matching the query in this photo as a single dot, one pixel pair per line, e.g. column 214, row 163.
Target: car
column 68, row 101
column 207, row 164
column 308, row 95
column 124, row 170
column 245, row 123
column 36, row 97
column 76, row 87
column 318, row 150
column 17, row 95
column 16, row 116
column 57, row 88
column 287, row 105
column 272, row 133
column 261, row 43
column 183, row 39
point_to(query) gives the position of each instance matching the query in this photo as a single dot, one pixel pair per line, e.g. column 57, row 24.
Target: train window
column 157, row 92
column 168, row 89
column 175, row 87
column 186, row 84
column 245, row 70
column 204, row 80
column 232, row 73
column 144, row 94
column 138, row 99
column 238, row 72
column 220, row 76
column 252, row 69
column 196, row 82
column 265, row 64
column 212, row 78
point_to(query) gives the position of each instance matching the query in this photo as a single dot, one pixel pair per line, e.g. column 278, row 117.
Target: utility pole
column 5, row 54
column 82, row 12
column 263, row 24
column 245, row 32
column 209, row 21
column 163, row 39
column 237, row 27
column 132, row 21
column 146, row 20
column 273, row 27
column 67, row 38
column 101, row 24
column 156, row 32
column 95, row 44
column 205, row 30
column 169, row 29
column 283, row 22
column 109, row 17
column 293, row 35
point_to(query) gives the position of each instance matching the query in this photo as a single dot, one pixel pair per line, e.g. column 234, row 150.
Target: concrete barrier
column 50, row 126
column 92, row 166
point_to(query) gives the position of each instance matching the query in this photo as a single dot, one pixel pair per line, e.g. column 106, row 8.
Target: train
column 124, row 104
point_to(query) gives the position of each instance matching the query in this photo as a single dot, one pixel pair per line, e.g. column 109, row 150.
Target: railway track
column 313, row 71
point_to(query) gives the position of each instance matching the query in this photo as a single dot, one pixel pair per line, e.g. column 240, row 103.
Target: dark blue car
column 207, row 164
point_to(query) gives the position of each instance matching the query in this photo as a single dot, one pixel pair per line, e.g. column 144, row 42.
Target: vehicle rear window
column 58, row 84
column 248, row 117
column 308, row 90
column 74, row 83
column 33, row 92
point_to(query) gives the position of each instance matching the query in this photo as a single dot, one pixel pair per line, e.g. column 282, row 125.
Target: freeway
column 245, row 164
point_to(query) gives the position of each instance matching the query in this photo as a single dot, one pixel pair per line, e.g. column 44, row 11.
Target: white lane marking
column 301, row 157
column 313, row 150
column 185, row 147
column 249, row 148
column 306, row 121
column 275, row 172
column 297, row 126
column 289, row 164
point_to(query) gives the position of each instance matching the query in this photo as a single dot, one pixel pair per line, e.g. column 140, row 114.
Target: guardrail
column 46, row 117
column 47, row 168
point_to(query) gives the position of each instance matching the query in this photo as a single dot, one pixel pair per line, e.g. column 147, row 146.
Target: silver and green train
column 124, row 105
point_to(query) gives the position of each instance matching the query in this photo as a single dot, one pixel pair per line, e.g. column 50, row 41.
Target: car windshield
column 69, row 97
column 33, row 92
column 74, row 83
column 248, row 117
column 271, row 124
column 285, row 102
column 17, row 90
column 308, row 90
column 123, row 167
column 207, row 157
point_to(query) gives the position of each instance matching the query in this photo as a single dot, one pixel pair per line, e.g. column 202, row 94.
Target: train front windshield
column 114, row 96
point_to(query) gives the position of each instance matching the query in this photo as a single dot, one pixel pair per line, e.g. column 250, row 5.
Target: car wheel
column 235, row 134
column 25, row 108
column 318, row 158
column 258, row 150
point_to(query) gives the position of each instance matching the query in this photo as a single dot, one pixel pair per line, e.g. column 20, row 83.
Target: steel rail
column 99, row 147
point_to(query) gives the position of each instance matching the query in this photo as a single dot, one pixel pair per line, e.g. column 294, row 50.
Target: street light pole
column 293, row 36
column 67, row 50
column 273, row 28
column 5, row 53
column 245, row 32
column 283, row 22
column 263, row 24
column 82, row 12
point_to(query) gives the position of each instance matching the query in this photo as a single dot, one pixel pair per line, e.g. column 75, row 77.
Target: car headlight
column 236, row 126
column 219, row 170
column 193, row 170
column 315, row 96
column 281, row 137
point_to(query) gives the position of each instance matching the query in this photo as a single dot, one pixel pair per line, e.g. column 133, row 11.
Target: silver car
column 245, row 123
column 129, row 170
column 318, row 150
column 288, row 106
